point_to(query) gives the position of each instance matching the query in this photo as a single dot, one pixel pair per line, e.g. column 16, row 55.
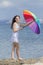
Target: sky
column 10, row 8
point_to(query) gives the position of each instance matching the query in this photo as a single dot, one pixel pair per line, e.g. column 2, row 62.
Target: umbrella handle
column 28, row 24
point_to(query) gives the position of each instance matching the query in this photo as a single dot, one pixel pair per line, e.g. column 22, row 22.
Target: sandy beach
column 38, row 61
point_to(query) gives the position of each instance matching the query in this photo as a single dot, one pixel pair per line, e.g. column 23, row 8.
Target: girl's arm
column 25, row 24
column 16, row 29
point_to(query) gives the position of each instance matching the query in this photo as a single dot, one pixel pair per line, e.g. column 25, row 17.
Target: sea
column 31, row 44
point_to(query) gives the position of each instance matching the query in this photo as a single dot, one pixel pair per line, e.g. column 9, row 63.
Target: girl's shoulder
column 15, row 23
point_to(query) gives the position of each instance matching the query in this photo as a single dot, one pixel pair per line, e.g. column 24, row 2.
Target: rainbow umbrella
column 35, row 25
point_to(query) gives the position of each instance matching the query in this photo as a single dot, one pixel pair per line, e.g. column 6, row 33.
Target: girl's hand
column 21, row 28
column 28, row 24
column 25, row 24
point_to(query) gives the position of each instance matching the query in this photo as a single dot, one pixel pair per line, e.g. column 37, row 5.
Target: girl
column 15, row 28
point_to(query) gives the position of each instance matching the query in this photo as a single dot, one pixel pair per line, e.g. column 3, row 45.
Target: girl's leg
column 12, row 53
column 18, row 51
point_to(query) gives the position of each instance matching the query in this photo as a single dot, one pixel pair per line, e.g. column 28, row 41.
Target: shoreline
column 38, row 61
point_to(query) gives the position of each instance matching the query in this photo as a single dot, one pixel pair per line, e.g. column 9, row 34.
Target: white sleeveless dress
column 15, row 35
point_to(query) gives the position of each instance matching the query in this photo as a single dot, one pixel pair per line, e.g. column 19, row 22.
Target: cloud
column 6, row 3
column 15, row 6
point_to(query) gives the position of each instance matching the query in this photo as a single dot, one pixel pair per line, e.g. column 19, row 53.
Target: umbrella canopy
column 29, row 16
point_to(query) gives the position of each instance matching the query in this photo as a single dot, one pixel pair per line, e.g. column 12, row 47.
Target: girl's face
column 17, row 19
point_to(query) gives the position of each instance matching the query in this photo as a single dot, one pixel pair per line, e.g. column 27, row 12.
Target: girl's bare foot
column 13, row 58
column 20, row 59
